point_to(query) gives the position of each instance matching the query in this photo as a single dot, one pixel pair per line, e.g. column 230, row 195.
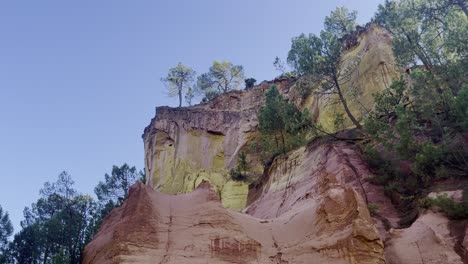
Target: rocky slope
column 309, row 206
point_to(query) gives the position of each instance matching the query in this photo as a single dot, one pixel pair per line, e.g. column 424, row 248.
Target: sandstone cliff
column 309, row 206
column 184, row 146
column 306, row 213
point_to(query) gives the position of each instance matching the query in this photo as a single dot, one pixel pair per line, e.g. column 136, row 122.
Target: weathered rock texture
column 184, row 146
column 428, row 240
column 309, row 206
column 306, row 213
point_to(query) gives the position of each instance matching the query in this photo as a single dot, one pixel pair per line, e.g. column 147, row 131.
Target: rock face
column 427, row 241
column 306, row 213
column 309, row 206
column 184, row 146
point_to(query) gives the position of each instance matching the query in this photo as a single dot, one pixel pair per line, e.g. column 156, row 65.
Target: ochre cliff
column 306, row 213
column 184, row 146
column 308, row 206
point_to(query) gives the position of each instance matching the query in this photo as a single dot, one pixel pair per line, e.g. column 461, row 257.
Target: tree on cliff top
column 320, row 57
column 178, row 80
column 340, row 21
column 222, row 77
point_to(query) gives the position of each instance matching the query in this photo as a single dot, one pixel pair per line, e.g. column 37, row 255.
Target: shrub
column 240, row 172
column 452, row 209
column 249, row 83
column 236, row 175
column 373, row 208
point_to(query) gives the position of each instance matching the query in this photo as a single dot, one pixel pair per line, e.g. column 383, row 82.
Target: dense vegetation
column 416, row 132
column 420, row 120
column 62, row 221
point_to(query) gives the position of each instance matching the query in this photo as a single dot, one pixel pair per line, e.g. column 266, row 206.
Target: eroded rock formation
column 306, row 213
column 184, row 146
column 309, row 206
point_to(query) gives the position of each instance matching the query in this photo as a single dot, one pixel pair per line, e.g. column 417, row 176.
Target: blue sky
column 79, row 80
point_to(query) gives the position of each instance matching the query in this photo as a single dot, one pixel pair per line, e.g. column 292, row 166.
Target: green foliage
column 338, row 121
column 427, row 160
column 432, row 33
column 319, row 56
column 304, row 53
column 282, row 126
column 113, row 191
column 249, row 83
column 384, row 173
column 222, row 77
column 387, row 100
column 373, row 208
column 340, row 21
column 179, row 80
column 209, row 96
column 279, row 65
column 461, row 108
column 240, row 172
column 451, row 208
column 237, row 175
column 115, row 186
column 242, row 162
column 56, row 226
column 6, row 229
column 420, row 119
column 189, row 95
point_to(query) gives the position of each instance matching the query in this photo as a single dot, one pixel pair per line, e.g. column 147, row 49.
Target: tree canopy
column 281, row 123
column 222, row 77
column 319, row 56
column 6, row 230
column 178, row 80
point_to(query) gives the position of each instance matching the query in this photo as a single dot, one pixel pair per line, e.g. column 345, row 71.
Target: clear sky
column 79, row 80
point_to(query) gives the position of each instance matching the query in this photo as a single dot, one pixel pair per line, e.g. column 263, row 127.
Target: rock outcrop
column 308, row 206
column 184, row 146
column 427, row 241
column 306, row 212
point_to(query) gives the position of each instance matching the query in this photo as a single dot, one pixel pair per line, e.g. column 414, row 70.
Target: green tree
column 112, row 192
column 6, row 229
column 282, row 123
column 433, row 33
column 222, row 77
column 340, row 22
column 56, row 227
column 178, row 80
column 189, row 95
column 27, row 245
column 116, row 185
column 319, row 57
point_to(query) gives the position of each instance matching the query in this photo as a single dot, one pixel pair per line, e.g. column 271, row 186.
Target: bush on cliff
column 282, row 126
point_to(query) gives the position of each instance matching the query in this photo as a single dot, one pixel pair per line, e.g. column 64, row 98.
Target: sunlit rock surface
column 309, row 206
column 184, row 146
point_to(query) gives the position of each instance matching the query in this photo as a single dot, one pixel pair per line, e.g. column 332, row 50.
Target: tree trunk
column 345, row 105
column 46, row 255
column 180, row 97
column 282, row 139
